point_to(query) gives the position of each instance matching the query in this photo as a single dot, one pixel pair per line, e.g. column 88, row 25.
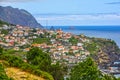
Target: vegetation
column 38, row 58
column 42, row 61
column 57, row 71
column 18, row 74
column 41, row 40
column 14, row 61
column 3, row 31
column 92, row 47
column 3, row 75
column 106, row 44
column 1, row 50
column 3, row 23
column 10, row 51
column 87, row 70
column 73, row 40
column 38, row 63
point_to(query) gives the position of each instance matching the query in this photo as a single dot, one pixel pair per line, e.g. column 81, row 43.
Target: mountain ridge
column 18, row 16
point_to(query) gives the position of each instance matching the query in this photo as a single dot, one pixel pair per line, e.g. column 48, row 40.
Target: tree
column 1, row 50
column 108, row 77
column 4, row 31
column 41, row 40
column 39, row 58
column 86, row 70
column 57, row 71
column 42, row 60
column 73, row 40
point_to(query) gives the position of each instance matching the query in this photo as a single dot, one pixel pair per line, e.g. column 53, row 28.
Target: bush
column 14, row 61
column 3, row 75
column 41, row 40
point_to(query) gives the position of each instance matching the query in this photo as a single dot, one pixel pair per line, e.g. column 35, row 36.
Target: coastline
column 107, row 32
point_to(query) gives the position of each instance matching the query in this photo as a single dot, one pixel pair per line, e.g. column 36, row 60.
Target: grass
column 18, row 74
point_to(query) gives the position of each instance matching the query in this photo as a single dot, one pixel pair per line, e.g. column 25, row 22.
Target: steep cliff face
column 108, row 51
column 17, row 16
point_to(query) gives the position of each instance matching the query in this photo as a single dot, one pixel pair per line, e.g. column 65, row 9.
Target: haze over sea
column 109, row 32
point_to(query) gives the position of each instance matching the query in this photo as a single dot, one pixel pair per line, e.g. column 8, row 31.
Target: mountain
column 18, row 16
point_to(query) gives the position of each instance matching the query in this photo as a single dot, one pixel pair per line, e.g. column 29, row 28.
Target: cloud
column 81, row 17
column 10, row 2
column 97, row 19
column 113, row 3
column 2, row 1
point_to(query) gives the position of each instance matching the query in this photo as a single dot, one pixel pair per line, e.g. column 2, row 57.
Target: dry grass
column 18, row 74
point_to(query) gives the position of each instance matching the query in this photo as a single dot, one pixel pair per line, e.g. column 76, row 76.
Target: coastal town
column 59, row 40
column 63, row 47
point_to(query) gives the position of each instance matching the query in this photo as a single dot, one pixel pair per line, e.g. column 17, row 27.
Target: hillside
column 18, row 16
column 108, row 51
column 15, row 68
column 18, row 74
column 38, row 53
column 3, row 75
column 3, row 23
column 9, row 73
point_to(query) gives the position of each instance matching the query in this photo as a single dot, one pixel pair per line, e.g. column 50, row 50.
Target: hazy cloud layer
column 113, row 3
column 81, row 17
column 100, row 19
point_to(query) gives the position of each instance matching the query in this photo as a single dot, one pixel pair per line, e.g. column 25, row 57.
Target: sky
column 70, row 12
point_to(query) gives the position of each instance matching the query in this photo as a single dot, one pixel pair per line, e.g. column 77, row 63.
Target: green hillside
column 3, row 75
column 3, row 23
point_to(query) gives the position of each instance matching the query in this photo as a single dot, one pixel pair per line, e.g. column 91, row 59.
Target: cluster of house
column 62, row 50
column 60, row 47
column 17, row 36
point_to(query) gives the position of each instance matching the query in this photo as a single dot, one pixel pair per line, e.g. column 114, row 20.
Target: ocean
column 109, row 32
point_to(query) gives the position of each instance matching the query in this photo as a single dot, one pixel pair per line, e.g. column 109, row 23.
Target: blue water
column 109, row 32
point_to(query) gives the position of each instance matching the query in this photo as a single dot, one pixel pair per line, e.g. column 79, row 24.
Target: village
column 64, row 47
column 60, row 45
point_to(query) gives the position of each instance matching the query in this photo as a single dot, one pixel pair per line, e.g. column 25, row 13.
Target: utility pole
column 46, row 24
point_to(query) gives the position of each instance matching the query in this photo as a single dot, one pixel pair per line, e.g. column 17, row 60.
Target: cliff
column 18, row 16
column 108, row 51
